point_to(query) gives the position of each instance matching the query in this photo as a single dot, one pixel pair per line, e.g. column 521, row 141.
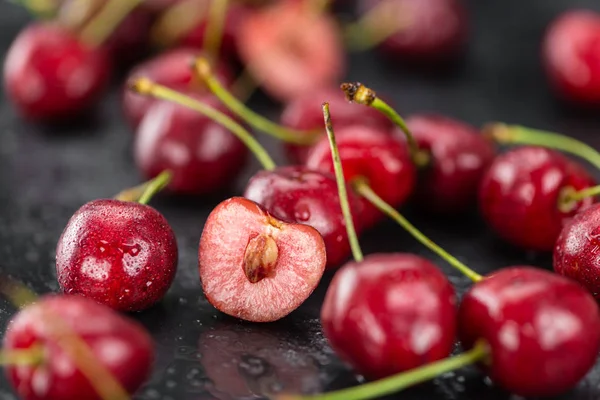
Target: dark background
column 48, row 173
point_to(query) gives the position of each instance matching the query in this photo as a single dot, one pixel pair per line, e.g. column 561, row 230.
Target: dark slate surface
column 47, row 173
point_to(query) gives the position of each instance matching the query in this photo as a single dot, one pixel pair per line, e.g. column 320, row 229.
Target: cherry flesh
column 570, row 52
column 290, row 50
column 305, row 196
column 390, row 313
column 460, row 156
column 543, row 330
column 305, row 114
column 118, row 344
column 520, row 194
column 575, row 253
column 202, row 155
column 119, row 253
column 254, row 266
column 372, row 154
column 171, row 69
column 49, row 74
column 427, row 29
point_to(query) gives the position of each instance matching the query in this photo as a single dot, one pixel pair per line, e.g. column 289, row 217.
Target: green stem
column 203, row 71
column 569, row 197
column 362, row 188
column 146, row 87
column 31, row 356
column 177, row 21
column 401, row 381
column 106, row 21
column 154, row 186
column 44, row 9
column 516, row 134
column 341, row 183
column 214, row 31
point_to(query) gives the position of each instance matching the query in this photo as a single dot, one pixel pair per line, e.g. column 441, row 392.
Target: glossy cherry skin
column 298, row 194
column 50, row 75
column 171, row 69
column 520, row 193
column 543, row 330
column 119, row 253
column 428, row 29
column 306, row 114
column 576, row 250
column 459, row 157
column 373, row 154
column 570, row 53
column 119, row 345
column 390, row 313
column 202, row 155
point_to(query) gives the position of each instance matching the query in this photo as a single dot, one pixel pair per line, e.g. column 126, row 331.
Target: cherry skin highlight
column 543, row 330
column 172, row 69
column 520, row 193
column 570, row 55
column 390, row 313
column 118, row 344
column 121, row 254
column 460, row 156
column 254, row 266
column 50, row 75
column 372, row 154
column 304, row 196
column 202, row 155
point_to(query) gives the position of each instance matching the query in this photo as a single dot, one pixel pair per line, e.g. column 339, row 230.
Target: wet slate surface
column 46, row 173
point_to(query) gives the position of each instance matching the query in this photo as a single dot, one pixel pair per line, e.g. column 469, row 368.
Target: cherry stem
column 176, row 21
column 106, row 21
column 40, row 8
column 244, row 86
column 341, row 184
column 204, row 72
column 214, row 31
column 361, row 187
column 30, row 356
column 146, row 87
column 155, row 186
column 569, row 197
column 516, row 134
column 396, row 383
column 360, row 94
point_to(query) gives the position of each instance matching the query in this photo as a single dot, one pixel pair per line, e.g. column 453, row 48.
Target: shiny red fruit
column 571, row 51
column 254, row 266
column 372, row 154
column 390, row 313
column 172, row 69
column 202, row 155
column 121, row 254
column 519, row 195
column 301, row 195
column 50, row 75
column 119, row 345
column 543, row 330
column 460, row 156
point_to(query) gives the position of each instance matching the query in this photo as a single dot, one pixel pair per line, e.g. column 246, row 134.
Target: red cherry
column 520, row 194
column 49, row 74
column 119, row 345
column 119, row 253
column 543, row 330
column 172, row 69
column 202, row 155
column 304, row 114
column 390, row 313
column 373, row 154
column 254, row 266
column 460, row 155
column 570, row 51
column 301, row 195
column 291, row 50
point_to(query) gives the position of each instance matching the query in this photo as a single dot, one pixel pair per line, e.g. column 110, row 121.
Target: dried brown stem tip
column 202, row 68
column 143, row 86
column 359, row 93
column 497, row 132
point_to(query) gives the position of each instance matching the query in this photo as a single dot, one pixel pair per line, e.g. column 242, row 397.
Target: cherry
column 254, row 266
column 85, row 351
column 570, row 55
column 524, row 195
column 171, row 69
column 298, row 194
column 459, row 157
column 49, row 74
